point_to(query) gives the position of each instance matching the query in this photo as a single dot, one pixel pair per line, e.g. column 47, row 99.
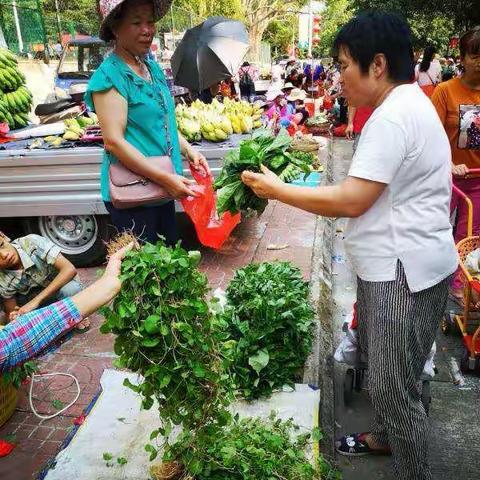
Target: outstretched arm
column 29, row 334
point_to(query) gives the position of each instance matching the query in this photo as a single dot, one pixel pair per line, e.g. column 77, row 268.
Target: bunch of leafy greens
column 269, row 315
column 166, row 332
column 251, row 448
column 263, row 148
column 17, row 375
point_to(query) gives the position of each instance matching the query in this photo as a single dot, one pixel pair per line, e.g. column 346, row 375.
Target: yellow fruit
column 237, row 128
column 220, row 134
column 71, row 135
column 227, row 126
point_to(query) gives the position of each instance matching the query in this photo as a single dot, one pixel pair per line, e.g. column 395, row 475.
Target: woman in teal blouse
column 132, row 100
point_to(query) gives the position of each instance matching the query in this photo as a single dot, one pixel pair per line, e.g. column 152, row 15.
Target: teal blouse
column 150, row 106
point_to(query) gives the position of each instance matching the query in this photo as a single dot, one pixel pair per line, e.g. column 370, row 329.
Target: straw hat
column 273, row 94
column 297, row 94
column 288, row 85
column 108, row 9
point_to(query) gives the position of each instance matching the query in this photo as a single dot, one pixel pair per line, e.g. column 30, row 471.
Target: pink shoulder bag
column 129, row 189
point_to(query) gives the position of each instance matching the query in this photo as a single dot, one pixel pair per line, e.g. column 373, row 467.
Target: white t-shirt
column 431, row 77
column 405, row 146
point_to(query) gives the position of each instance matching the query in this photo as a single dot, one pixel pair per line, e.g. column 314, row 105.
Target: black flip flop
column 355, row 445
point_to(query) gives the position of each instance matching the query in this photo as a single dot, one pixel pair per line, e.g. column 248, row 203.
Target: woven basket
column 8, row 401
column 319, row 129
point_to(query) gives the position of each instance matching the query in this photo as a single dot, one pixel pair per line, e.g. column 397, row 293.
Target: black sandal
column 355, row 445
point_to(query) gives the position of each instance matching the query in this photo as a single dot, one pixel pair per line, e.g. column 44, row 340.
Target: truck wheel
column 80, row 237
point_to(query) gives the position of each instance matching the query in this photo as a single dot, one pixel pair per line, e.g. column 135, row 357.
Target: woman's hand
column 349, row 131
column 459, row 170
column 179, row 187
column 264, row 185
column 198, row 160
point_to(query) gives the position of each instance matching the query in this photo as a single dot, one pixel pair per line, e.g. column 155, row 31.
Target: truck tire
column 81, row 238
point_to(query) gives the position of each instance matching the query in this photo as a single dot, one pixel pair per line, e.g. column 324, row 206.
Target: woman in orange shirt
column 458, row 105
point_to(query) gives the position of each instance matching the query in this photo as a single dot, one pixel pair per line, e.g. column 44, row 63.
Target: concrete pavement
column 455, row 428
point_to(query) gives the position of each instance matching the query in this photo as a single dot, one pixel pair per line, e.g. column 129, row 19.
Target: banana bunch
column 190, row 129
column 217, row 129
column 247, row 116
column 54, row 141
column 15, row 98
column 73, row 130
column 75, row 127
column 217, row 121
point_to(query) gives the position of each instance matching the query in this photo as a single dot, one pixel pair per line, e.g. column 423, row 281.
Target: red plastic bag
column 6, row 448
column 340, row 131
column 327, row 102
column 212, row 231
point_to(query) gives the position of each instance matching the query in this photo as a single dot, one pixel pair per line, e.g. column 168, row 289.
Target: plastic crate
column 313, row 180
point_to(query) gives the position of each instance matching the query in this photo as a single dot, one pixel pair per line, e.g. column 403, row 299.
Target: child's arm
column 9, row 304
column 66, row 273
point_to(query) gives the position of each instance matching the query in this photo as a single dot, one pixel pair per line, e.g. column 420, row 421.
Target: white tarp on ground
column 119, row 426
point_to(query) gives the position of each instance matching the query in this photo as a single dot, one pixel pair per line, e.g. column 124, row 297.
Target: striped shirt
column 31, row 333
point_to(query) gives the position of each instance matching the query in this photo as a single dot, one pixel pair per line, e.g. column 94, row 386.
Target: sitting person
column 276, row 100
column 287, row 88
column 296, row 111
column 30, row 333
column 34, row 273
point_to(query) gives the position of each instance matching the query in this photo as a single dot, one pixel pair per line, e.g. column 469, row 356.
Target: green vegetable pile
column 262, row 149
column 269, row 316
column 166, row 331
column 17, row 375
column 251, row 448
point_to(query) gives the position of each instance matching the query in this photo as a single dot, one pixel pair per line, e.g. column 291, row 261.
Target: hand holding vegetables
column 263, row 149
column 264, row 185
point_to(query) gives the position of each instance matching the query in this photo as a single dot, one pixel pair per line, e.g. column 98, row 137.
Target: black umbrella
column 208, row 53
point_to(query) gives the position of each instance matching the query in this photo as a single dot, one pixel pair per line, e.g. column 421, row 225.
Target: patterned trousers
column 397, row 329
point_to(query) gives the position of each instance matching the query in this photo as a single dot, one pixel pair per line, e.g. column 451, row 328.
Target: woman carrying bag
column 428, row 73
column 141, row 173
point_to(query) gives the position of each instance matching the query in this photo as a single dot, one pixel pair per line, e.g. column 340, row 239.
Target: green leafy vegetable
column 166, row 331
column 58, row 404
column 19, row 374
column 263, row 148
column 270, row 318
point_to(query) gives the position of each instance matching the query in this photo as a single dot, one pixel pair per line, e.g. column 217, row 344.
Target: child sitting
column 34, row 273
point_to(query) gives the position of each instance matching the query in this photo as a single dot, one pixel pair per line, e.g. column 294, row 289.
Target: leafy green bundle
column 262, row 149
column 253, row 449
column 269, row 316
column 165, row 331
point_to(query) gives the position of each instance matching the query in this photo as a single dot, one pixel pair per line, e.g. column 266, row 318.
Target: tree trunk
column 255, row 34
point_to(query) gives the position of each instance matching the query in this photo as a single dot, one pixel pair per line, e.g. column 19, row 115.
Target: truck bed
column 67, row 181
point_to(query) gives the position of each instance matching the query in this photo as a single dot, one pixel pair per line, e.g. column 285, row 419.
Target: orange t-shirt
column 459, row 109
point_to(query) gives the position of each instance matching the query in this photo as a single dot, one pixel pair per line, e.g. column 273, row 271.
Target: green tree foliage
column 279, row 34
column 337, row 13
column 81, row 15
column 430, row 15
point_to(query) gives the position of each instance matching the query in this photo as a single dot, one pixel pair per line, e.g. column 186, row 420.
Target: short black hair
column 470, row 42
column 371, row 33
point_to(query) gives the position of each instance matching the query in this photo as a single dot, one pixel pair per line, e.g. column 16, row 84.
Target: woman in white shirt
column 429, row 71
column 399, row 239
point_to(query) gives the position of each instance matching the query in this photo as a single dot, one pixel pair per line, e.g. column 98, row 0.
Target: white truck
column 56, row 193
